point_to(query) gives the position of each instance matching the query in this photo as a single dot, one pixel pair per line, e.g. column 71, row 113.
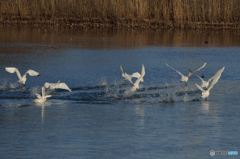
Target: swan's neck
column 43, row 92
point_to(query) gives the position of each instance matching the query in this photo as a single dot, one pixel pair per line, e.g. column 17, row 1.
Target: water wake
column 118, row 92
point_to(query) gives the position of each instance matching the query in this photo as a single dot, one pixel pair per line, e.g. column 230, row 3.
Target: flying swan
column 206, row 93
column 204, row 84
column 185, row 78
column 22, row 79
column 58, row 85
column 129, row 77
column 136, row 84
column 43, row 98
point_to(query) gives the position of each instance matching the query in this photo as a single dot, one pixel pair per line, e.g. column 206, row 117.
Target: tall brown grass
column 164, row 13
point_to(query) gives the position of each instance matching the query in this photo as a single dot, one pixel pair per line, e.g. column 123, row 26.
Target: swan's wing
column 199, row 87
column 175, row 70
column 122, row 69
column 197, row 69
column 209, row 80
column 38, row 96
column 136, row 75
column 129, row 78
column 141, row 77
column 47, row 96
column 216, row 77
column 63, row 86
column 47, row 85
column 143, row 71
column 217, row 74
column 12, row 70
column 33, row 73
column 195, row 75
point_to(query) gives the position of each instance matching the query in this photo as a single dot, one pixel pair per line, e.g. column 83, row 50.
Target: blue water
column 98, row 119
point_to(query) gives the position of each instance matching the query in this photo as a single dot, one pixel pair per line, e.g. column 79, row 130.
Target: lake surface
column 99, row 118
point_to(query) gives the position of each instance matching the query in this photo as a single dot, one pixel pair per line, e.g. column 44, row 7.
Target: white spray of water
column 34, row 91
column 13, row 85
column 112, row 90
column 166, row 85
column 185, row 97
column 167, row 97
column 103, row 82
column 128, row 92
column 3, row 86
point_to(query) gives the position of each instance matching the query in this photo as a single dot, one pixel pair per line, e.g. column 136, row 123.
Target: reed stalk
column 170, row 13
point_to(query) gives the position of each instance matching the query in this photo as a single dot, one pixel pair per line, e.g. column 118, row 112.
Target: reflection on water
column 205, row 106
column 105, row 38
column 140, row 110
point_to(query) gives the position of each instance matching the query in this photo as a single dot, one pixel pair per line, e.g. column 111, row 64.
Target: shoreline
column 120, row 23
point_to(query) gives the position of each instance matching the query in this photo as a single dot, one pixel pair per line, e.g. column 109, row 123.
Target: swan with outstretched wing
column 136, row 84
column 58, row 85
column 22, row 79
column 206, row 93
column 185, row 78
column 42, row 98
column 129, row 77
column 204, row 84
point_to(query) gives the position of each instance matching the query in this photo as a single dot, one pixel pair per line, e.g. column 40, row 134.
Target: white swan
column 43, row 98
column 206, row 93
column 129, row 77
column 136, row 84
column 22, row 79
column 185, row 78
column 204, row 84
column 57, row 85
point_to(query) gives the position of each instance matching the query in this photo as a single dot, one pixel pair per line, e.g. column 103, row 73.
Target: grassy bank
column 130, row 13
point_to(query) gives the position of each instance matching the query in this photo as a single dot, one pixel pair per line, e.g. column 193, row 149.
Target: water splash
column 185, row 98
column 166, row 85
column 34, row 91
column 13, row 85
column 168, row 97
column 103, row 81
column 3, row 86
column 128, row 92
column 112, row 90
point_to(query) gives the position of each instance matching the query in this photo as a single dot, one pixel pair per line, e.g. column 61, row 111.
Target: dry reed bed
column 131, row 13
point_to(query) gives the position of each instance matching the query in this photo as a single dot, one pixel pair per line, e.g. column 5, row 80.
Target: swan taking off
column 22, row 79
column 136, row 84
column 43, row 98
column 58, row 85
column 204, row 84
column 129, row 77
column 185, row 78
column 206, row 93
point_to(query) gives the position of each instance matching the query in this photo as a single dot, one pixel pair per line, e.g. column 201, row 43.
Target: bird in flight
column 22, row 79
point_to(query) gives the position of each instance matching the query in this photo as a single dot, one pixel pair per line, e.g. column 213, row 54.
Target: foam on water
column 3, row 85
column 103, row 81
column 185, row 98
column 34, row 91
column 13, row 85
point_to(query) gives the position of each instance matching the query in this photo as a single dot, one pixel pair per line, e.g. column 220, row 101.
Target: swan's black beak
column 39, row 74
